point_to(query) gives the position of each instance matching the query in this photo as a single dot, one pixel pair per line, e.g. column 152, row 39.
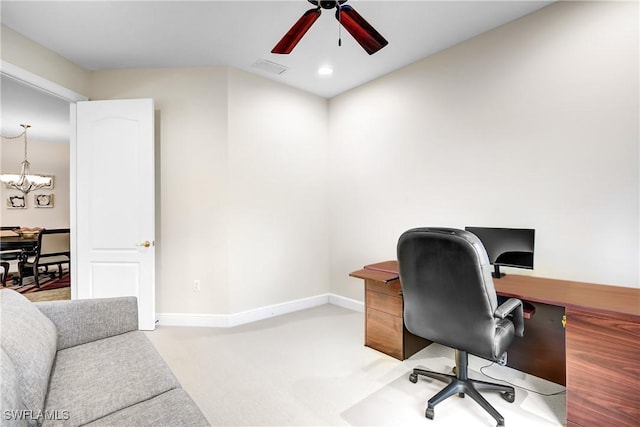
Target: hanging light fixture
column 25, row 182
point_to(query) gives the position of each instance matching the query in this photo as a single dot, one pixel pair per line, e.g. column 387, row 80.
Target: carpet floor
column 310, row 368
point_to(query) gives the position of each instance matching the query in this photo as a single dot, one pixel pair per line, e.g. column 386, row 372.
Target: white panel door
column 115, row 212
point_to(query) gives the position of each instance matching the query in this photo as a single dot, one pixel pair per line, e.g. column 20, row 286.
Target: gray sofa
column 84, row 362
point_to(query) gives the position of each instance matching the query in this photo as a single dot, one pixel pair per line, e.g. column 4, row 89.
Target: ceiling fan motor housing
column 327, row 4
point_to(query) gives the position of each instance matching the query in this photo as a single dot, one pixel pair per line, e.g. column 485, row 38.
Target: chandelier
column 25, row 182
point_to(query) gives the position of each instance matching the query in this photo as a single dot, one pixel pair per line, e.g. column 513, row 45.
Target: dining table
column 12, row 241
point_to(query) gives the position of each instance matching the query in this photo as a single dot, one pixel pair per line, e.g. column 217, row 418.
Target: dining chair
column 6, row 256
column 53, row 248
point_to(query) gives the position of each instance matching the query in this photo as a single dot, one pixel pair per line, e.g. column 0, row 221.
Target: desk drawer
column 384, row 333
column 386, row 303
column 392, row 288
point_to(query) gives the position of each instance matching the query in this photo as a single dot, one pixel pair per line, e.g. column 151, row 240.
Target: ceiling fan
column 361, row 30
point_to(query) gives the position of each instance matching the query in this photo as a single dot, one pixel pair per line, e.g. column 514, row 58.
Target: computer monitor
column 509, row 247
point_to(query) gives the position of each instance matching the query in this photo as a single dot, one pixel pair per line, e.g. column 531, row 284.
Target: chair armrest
column 512, row 307
column 82, row 321
column 26, row 253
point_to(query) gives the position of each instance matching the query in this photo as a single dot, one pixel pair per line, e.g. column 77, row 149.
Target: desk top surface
column 589, row 296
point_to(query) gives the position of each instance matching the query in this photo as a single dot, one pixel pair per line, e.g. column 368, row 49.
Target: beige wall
column 191, row 175
column 30, row 56
column 268, row 194
column 534, row 124
column 46, row 158
column 241, row 174
column 278, row 229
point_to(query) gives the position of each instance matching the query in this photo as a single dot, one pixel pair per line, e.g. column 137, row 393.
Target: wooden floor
column 51, row 295
column 51, row 287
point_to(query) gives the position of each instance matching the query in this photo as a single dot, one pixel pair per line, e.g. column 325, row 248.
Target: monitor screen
column 509, row 247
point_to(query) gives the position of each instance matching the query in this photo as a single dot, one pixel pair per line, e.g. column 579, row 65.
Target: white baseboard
column 182, row 319
column 230, row 320
column 348, row 303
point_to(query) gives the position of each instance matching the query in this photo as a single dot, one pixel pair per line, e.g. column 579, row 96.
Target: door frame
column 40, row 83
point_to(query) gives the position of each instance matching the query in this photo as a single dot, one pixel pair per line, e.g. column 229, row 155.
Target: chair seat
column 52, row 260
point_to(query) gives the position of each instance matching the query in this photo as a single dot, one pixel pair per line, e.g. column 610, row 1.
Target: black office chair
column 449, row 299
column 7, row 256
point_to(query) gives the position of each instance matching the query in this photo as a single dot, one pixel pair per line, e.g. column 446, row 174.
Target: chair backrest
column 54, row 242
column 448, row 292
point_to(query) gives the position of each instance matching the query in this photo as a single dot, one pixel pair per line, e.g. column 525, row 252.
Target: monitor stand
column 496, row 272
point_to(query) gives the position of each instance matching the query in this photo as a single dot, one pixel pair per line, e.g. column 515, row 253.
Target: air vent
column 269, row 67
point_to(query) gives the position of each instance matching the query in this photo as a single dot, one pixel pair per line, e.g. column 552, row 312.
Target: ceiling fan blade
column 293, row 36
column 367, row 36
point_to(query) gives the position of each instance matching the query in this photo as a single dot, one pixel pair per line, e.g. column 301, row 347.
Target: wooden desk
column 600, row 352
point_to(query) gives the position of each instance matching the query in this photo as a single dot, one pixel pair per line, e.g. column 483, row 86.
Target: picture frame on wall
column 16, row 201
column 48, row 187
column 43, row 200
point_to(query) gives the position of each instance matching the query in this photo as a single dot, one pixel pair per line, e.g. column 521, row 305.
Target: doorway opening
column 45, row 106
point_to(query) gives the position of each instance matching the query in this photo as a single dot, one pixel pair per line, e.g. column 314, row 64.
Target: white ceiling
column 99, row 35
column 48, row 115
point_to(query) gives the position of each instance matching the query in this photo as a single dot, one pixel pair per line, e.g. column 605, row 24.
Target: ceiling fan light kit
column 366, row 36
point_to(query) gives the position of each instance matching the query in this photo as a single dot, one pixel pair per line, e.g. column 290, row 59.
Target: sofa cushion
column 173, row 408
column 29, row 339
column 95, row 379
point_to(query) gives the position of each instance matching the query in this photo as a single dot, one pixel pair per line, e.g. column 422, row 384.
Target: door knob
column 146, row 244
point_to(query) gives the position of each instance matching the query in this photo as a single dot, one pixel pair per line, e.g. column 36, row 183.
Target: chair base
column 461, row 385
column 22, row 267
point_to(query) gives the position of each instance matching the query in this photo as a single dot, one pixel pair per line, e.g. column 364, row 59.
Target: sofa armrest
column 82, row 321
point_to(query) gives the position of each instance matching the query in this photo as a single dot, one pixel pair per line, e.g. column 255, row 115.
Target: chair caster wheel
column 508, row 396
column 429, row 413
column 413, row 378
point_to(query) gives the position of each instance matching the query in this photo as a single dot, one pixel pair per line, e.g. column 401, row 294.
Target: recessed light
column 325, row 70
